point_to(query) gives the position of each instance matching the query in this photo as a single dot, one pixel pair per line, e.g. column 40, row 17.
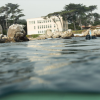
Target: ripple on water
column 53, row 65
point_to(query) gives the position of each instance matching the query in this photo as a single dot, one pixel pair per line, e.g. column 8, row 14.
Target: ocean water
column 51, row 65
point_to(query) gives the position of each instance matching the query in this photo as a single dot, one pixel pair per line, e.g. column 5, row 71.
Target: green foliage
column 71, row 26
column 96, row 23
column 5, row 32
column 14, row 12
column 76, row 13
column 77, row 31
column 9, row 14
column 33, row 36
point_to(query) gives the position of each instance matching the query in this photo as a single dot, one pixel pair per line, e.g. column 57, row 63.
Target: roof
column 93, row 27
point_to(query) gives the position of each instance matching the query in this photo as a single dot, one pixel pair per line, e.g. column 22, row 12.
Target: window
column 44, row 26
column 38, row 31
column 38, row 27
column 30, row 22
column 34, row 27
column 48, row 26
column 44, row 21
column 50, row 20
column 39, row 21
column 42, row 31
column 54, row 25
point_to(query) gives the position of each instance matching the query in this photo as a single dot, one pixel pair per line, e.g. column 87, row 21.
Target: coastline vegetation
column 77, row 31
column 77, row 15
column 10, row 14
column 33, row 36
column 37, row 35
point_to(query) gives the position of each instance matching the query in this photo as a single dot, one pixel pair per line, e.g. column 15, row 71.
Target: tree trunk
column 74, row 25
column 13, row 19
column 66, row 24
column 6, row 21
column 80, row 24
column 56, row 25
column 61, row 23
column 13, row 16
column 92, row 18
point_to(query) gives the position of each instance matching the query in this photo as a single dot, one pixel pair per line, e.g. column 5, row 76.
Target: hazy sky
column 38, row 8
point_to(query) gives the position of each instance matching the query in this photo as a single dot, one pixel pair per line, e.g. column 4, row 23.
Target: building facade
column 40, row 25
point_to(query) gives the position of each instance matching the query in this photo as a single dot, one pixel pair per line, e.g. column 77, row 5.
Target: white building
column 40, row 25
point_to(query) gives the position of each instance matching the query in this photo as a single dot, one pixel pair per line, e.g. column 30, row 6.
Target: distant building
column 86, row 27
column 40, row 25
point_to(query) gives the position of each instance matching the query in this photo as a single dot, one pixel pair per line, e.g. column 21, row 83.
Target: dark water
column 64, row 65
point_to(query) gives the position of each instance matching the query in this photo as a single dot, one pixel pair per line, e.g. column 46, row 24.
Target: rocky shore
column 94, row 32
column 65, row 35
column 15, row 33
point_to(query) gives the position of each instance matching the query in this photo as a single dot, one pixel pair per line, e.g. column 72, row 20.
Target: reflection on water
column 51, row 65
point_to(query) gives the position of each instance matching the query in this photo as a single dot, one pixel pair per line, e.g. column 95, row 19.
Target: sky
column 38, row 8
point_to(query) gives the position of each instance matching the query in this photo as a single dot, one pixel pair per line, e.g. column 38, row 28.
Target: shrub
column 71, row 26
column 5, row 32
column 33, row 36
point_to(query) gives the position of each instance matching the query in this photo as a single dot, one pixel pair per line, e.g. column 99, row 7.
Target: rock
column 98, row 34
column 86, row 32
column 1, row 30
column 42, row 37
column 67, row 34
column 49, row 33
column 57, row 34
column 94, row 32
column 17, row 32
column 2, row 41
column 1, row 36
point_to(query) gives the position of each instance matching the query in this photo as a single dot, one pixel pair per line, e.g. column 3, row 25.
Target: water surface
column 62, row 65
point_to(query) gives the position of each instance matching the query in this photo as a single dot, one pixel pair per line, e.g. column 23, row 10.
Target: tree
column 80, row 12
column 57, row 14
column 66, row 15
column 16, row 13
column 9, row 14
column 91, row 9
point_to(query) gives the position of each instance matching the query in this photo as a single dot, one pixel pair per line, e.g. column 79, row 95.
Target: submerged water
column 64, row 65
